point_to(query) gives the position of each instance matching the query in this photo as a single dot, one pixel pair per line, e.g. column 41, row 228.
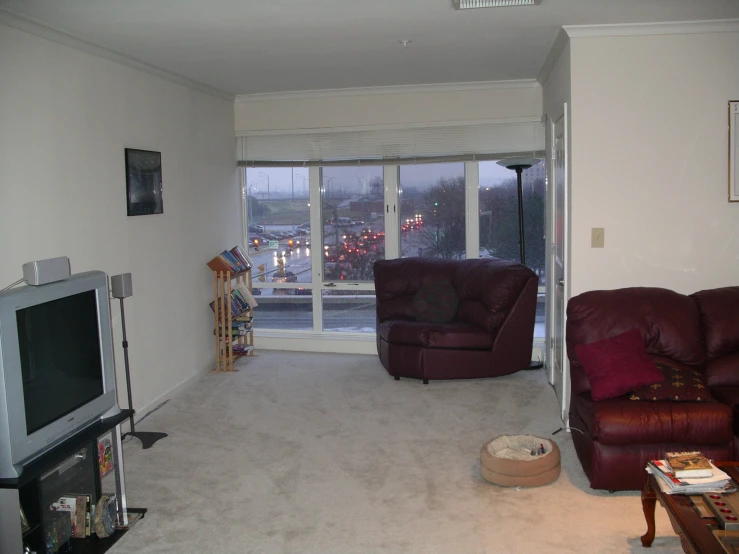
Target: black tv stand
column 37, row 482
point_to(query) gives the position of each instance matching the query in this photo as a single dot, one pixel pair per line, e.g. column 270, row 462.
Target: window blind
column 483, row 141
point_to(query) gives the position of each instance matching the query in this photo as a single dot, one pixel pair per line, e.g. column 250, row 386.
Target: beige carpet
column 323, row 454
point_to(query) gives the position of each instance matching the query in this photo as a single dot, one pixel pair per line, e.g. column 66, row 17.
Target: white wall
column 388, row 106
column 65, row 119
column 649, row 161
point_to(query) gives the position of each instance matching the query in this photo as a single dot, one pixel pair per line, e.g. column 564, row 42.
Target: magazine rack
column 28, row 492
column 230, row 346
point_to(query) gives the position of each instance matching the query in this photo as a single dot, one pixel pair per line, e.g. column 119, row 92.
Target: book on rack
column 234, row 261
column 237, row 309
column 218, row 264
column 689, row 464
column 719, row 481
column 236, row 333
column 239, row 253
column 246, row 294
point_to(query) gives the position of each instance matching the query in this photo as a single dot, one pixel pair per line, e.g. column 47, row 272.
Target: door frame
column 560, row 383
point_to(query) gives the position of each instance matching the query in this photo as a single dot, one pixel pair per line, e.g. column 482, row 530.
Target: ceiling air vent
column 469, row 4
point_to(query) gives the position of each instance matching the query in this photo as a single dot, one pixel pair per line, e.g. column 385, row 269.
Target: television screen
column 59, row 344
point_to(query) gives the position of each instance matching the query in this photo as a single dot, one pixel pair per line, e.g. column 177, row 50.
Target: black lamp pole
column 518, row 165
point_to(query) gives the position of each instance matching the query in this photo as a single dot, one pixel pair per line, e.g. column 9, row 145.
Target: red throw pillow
column 682, row 385
column 617, row 365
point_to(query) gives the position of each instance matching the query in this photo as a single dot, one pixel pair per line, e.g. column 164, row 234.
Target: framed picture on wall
column 734, row 151
column 144, row 182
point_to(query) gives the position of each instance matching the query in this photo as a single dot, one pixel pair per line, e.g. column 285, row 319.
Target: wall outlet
column 597, row 237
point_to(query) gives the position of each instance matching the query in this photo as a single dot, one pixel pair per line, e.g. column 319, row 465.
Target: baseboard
column 167, row 395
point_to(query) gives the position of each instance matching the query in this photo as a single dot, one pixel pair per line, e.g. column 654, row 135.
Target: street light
column 251, row 188
column 305, row 192
column 267, row 177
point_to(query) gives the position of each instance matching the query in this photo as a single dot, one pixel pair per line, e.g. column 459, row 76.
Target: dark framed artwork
column 144, row 182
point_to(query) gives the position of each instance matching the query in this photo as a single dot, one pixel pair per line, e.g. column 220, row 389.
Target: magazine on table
column 719, row 481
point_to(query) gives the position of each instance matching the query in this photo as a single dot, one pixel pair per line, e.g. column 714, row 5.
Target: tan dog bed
column 508, row 461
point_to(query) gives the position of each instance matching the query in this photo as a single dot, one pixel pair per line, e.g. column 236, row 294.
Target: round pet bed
column 518, row 461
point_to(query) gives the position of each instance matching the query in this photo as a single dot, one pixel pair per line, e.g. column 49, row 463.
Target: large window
column 315, row 233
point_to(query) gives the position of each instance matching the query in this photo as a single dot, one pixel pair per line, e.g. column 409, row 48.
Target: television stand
column 69, row 468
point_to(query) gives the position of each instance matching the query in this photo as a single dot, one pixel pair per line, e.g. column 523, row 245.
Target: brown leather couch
column 615, row 438
column 490, row 334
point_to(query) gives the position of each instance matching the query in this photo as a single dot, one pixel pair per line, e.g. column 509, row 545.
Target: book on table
column 719, row 481
column 689, row 464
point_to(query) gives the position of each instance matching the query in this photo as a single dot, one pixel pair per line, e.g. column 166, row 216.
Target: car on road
column 253, row 228
column 288, row 277
column 270, row 236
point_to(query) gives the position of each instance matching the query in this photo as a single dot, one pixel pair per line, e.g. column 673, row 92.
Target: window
column 498, row 220
column 316, row 228
column 353, row 226
column 278, row 236
column 432, row 210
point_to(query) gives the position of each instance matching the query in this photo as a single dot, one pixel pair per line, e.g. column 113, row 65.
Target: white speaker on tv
column 41, row 272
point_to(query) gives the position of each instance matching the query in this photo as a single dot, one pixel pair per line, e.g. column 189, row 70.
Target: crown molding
column 400, row 89
column 554, row 54
column 60, row 37
column 666, row 28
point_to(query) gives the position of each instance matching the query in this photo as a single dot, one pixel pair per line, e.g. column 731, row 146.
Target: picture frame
column 734, row 151
column 143, row 182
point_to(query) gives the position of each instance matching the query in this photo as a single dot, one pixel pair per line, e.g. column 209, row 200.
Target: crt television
column 57, row 373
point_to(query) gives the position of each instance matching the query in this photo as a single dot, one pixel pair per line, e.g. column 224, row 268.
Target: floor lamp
column 518, row 165
column 122, row 287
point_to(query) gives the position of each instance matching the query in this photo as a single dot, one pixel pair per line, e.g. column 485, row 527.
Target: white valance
column 428, row 144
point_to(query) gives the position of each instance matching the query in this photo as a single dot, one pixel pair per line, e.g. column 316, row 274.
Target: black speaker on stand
column 122, row 287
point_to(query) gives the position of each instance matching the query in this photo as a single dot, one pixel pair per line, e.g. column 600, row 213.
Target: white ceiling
column 250, row 46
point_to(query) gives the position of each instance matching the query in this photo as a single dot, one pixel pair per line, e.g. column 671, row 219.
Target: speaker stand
column 147, row 438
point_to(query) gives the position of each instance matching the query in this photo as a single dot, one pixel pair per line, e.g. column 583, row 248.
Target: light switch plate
column 597, row 237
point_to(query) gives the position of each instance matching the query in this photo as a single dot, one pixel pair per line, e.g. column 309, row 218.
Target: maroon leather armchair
column 615, row 438
column 490, row 334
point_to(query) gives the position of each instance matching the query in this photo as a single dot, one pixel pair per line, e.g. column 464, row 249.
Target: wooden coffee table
column 695, row 532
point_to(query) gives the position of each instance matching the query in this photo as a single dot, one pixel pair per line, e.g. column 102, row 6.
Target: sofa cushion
column 730, row 397
column 617, row 365
column 435, row 302
column 436, row 335
column 681, row 384
column 670, row 322
column 619, row 421
column 719, row 308
column 723, row 371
